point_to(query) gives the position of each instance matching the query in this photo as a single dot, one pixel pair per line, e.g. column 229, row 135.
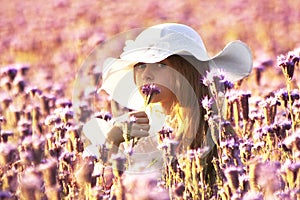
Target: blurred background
column 55, row 37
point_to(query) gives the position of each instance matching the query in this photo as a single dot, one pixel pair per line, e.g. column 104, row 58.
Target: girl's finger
column 142, row 120
column 138, row 114
column 140, row 127
column 139, row 133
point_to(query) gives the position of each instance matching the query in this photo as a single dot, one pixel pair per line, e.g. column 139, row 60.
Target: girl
column 159, row 77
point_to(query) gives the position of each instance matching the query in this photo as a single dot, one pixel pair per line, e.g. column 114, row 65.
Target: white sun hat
column 155, row 44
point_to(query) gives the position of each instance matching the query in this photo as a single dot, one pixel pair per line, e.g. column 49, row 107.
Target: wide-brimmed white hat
column 155, row 44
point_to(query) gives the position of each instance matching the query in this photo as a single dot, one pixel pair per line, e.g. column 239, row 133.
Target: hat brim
column 235, row 62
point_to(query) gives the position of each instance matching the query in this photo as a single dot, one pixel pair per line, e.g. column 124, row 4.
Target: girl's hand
column 140, row 126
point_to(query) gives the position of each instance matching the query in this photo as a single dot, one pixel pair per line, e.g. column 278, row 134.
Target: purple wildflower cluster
column 219, row 81
column 103, row 115
column 165, row 132
column 288, row 63
column 149, row 90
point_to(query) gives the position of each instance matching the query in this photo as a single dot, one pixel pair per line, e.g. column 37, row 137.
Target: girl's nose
column 148, row 73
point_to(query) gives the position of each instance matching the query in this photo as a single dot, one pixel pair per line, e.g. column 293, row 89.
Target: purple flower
column 63, row 102
column 206, row 103
column 227, row 84
column 34, row 91
column 10, row 71
column 206, row 81
column 221, row 83
column 165, row 132
column 149, row 90
column 287, row 63
column 104, row 115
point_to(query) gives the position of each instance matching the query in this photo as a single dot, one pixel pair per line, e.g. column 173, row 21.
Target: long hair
column 187, row 112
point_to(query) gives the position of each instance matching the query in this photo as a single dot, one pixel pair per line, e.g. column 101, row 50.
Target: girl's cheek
column 169, row 82
column 137, row 79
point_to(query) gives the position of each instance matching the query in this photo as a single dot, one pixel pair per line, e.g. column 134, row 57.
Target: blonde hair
column 192, row 127
column 187, row 113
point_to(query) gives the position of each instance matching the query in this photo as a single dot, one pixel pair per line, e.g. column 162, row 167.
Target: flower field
column 42, row 48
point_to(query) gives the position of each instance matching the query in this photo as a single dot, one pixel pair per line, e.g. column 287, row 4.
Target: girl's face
column 161, row 74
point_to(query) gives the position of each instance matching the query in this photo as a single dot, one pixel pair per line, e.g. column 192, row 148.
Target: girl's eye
column 140, row 66
column 161, row 65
